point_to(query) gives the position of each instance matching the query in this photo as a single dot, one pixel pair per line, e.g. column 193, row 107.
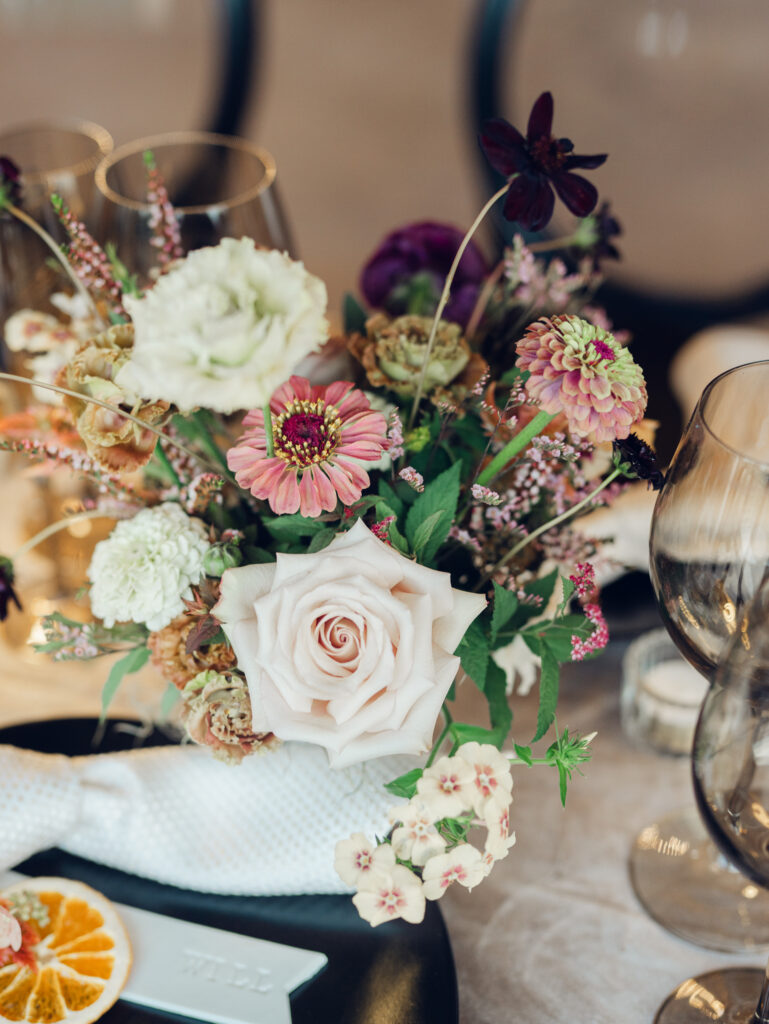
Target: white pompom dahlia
column 143, row 571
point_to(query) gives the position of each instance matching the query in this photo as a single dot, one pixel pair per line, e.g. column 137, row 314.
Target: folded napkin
column 266, row 827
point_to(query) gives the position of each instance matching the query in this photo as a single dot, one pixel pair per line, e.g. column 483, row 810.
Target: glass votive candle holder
column 661, row 694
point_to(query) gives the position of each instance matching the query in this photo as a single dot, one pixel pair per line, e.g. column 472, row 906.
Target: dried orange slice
column 75, row 954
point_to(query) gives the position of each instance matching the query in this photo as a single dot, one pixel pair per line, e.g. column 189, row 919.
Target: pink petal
column 284, row 498
column 323, row 487
column 343, row 486
column 309, row 497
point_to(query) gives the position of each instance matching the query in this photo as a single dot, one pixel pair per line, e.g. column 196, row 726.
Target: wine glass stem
column 761, row 1015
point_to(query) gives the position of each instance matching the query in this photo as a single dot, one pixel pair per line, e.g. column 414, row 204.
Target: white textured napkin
column 174, row 814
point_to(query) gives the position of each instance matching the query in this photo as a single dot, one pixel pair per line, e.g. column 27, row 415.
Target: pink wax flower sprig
column 89, row 261
column 304, row 459
column 166, row 236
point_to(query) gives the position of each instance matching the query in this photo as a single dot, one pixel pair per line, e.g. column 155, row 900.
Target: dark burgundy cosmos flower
column 7, row 593
column 637, row 459
column 10, row 181
column 536, row 165
column 407, row 271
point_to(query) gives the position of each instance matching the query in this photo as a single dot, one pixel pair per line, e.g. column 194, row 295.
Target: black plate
column 395, row 974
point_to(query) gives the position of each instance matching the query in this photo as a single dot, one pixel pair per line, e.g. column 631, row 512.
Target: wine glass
column 730, row 761
column 53, row 156
column 220, row 186
column 709, row 554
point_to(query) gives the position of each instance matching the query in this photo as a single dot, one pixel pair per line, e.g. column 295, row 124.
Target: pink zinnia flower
column 581, row 371
column 318, row 433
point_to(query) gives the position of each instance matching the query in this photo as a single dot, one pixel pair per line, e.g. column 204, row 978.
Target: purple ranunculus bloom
column 407, row 272
column 536, row 164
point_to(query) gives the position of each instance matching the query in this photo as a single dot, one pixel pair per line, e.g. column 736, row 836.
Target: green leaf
column 548, row 694
column 533, row 642
column 391, row 499
column 556, row 635
column 440, row 495
column 524, row 753
column 321, row 540
column 354, row 316
column 425, row 530
column 405, row 785
column 569, row 586
column 563, row 782
column 288, row 528
column 462, row 733
column 473, row 651
column 169, row 700
column 500, row 714
column 131, row 662
column 397, row 540
column 505, row 606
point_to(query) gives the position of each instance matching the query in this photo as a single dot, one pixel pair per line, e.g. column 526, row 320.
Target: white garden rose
column 142, row 572
column 224, row 327
column 351, row 648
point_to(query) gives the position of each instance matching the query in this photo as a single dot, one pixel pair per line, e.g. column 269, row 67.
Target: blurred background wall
column 366, row 108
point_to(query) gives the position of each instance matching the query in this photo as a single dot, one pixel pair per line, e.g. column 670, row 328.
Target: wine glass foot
column 689, row 888
column 729, row 996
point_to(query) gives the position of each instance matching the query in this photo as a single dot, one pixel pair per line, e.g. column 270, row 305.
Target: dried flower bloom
column 318, row 435
column 114, row 441
column 217, row 714
column 578, row 369
column 393, row 351
column 10, row 931
column 408, row 270
column 178, row 665
column 536, row 165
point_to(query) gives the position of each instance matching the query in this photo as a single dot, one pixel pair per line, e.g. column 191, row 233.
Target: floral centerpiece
column 326, row 561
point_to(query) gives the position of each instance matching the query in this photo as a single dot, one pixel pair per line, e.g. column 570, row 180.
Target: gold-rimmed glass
column 220, row 186
column 53, row 156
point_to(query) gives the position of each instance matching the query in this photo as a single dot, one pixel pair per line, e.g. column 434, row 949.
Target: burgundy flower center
column 549, row 153
column 604, row 351
column 306, row 433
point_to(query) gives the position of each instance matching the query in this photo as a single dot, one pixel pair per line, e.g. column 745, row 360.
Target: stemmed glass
column 220, row 186
column 709, row 554
column 730, row 761
column 53, row 156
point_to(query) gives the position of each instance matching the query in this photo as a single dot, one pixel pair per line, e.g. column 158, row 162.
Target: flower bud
column 220, row 557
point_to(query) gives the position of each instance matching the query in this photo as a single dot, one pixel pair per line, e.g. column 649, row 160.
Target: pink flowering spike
column 597, row 640
column 166, row 236
column 581, row 371
column 88, row 260
column 314, row 440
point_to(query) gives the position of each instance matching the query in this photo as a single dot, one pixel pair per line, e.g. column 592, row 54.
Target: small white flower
column 463, row 864
column 447, row 787
column 10, row 930
column 417, row 839
column 224, row 328
column 499, row 840
column 142, row 572
column 492, row 779
column 356, row 857
column 385, row 895
column 30, row 331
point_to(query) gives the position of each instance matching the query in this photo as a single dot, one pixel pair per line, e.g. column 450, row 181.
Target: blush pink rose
column 351, row 648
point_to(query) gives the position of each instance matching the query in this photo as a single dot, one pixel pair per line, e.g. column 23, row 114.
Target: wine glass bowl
column 220, row 186
column 709, row 541
column 730, row 767
column 709, row 551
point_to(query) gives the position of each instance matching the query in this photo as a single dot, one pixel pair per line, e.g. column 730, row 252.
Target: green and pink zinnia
column 580, row 370
column 319, row 434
